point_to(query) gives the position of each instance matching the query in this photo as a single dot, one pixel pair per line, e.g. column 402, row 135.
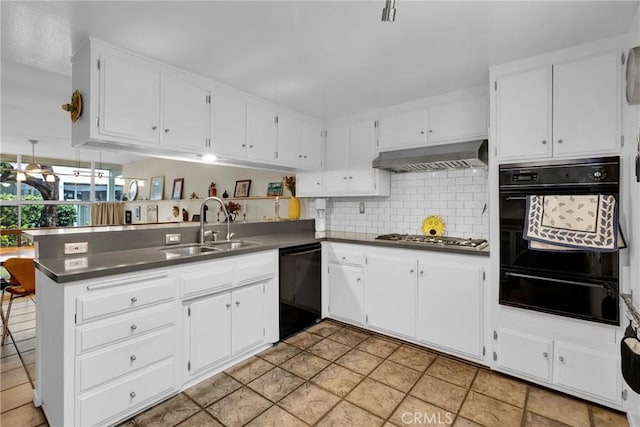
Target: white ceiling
column 323, row 58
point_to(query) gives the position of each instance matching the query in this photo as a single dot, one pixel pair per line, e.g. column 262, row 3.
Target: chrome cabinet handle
column 359, row 279
column 250, row 146
column 132, row 394
column 344, row 258
column 421, row 132
column 350, row 177
column 304, row 157
column 132, row 357
column 237, row 303
column 411, row 271
column 244, row 145
column 134, row 299
column 154, row 128
column 422, row 272
column 560, row 141
column 545, row 354
column 561, row 358
column 134, row 327
column 544, row 141
column 228, row 306
column 166, row 131
column 430, row 130
column 299, row 156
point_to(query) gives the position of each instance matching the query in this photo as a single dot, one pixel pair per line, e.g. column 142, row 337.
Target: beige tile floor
column 329, row 375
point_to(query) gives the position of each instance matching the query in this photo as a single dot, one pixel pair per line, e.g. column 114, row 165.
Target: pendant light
column 33, row 168
column 389, row 11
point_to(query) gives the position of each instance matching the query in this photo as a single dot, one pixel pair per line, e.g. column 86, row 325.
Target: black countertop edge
column 132, row 261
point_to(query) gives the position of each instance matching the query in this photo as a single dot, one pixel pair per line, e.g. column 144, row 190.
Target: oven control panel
column 573, row 173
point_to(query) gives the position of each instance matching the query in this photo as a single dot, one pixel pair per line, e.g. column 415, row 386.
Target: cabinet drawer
column 255, row 269
column 123, row 296
column 127, row 395
column 103, row 365
column 109, row 331
column 343, row 256
column 202, row 283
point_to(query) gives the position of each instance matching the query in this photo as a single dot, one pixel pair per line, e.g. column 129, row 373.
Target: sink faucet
column 202, row 213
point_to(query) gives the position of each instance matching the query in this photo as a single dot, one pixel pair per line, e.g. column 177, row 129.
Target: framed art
column 176, row 193
column 274, row 189
column 156, row 189
column 152, row 213
column 242, row 188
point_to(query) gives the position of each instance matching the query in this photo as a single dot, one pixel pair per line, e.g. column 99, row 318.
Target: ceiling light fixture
column 33, row 168
column 389, row 11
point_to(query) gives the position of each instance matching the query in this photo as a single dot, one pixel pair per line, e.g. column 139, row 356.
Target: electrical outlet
column 361, row 207
column 172, row 239
column 76, row 248
column 76, row 263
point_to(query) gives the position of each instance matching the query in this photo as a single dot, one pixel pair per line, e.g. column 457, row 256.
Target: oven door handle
column 569, row 282
column 516, row 198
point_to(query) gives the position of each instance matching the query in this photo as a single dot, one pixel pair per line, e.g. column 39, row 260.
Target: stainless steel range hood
column 471, row 154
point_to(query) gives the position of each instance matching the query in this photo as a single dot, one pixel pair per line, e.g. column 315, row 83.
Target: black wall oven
column 577, row 284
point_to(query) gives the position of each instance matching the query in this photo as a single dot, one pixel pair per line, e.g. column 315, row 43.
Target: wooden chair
column 21, row 284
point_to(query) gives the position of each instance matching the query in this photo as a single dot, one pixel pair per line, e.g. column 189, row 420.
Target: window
column 66, row 202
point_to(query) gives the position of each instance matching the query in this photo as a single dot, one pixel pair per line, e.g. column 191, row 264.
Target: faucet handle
column 230, row 235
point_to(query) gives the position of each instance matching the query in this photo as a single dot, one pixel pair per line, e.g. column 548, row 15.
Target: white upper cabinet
column 229, row 125
column 524, row 114
column 261, row 132
column 299, row 143
column 586, row 106
column 442, row 122
column 129, row 101
column 186, row 112
column 454, row 121
column 408, row 129
column 564, row 109
column 337, row 156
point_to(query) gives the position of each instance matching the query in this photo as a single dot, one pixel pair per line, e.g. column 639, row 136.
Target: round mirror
column 133, row 189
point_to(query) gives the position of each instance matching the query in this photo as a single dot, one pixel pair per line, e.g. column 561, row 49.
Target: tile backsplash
column 458, row 196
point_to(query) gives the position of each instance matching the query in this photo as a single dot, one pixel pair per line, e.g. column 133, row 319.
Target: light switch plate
column 361, row 207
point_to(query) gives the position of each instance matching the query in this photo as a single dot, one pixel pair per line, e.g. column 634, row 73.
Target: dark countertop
column 96, row 265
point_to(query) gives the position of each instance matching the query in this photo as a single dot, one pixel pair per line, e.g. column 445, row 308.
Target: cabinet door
column 525, row 354
column 129, row 100
column 261, row 132
column 313, row 153
column 346, row 292
column 247, row 319
column 209, row 331
column 290, row 144
column 337, row 148
column 587, row 371
column 523, row 112
column 229, row 126
column 407, row 129
column 186, row 113
column 458, row 120
column 310, row 184
column 362, row 150
column 586, row 106
column 391, row 294
column 441, row 287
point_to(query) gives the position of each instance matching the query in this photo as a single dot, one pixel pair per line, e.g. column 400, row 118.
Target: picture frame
column 156, row 189
column 178, row 188
column 152, row 213
column 274, row 189
column 242, row 188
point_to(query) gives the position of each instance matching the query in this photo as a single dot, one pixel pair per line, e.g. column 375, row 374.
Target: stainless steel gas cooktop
column 430, row 240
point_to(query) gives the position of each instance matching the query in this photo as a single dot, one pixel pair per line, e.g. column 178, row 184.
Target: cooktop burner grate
column 431, row 240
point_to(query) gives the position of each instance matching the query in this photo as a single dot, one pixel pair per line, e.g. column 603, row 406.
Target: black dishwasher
column 300, row 284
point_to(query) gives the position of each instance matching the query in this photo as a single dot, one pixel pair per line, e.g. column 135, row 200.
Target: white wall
column 197, row 177
column 458, row 196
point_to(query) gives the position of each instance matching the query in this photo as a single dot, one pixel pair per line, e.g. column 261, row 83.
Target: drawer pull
column 422, row 272
column 237, row 303
column 545, row 354
column 134, row 327
column 133, row 357
column 132, row 394
column 562, row 358
column 228, row 306
column 134, row 299
column 411, row 271
column 344, row 258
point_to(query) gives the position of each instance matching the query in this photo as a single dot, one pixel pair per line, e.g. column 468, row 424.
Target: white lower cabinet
column 435, row 300
column 391, row 293
column 346, row 292
column 450, row 300
column 577, row 369
column 111, row 347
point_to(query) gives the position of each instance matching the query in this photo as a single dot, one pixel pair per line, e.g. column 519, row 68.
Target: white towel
column 579, row 222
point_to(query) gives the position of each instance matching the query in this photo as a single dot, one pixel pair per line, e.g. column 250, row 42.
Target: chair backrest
column 23, row 270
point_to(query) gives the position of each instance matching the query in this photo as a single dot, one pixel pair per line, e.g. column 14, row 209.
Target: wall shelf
column 201, row 199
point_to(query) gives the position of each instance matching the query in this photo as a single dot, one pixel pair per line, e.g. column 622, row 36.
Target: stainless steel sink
column 227, row 245
column 189, row 250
